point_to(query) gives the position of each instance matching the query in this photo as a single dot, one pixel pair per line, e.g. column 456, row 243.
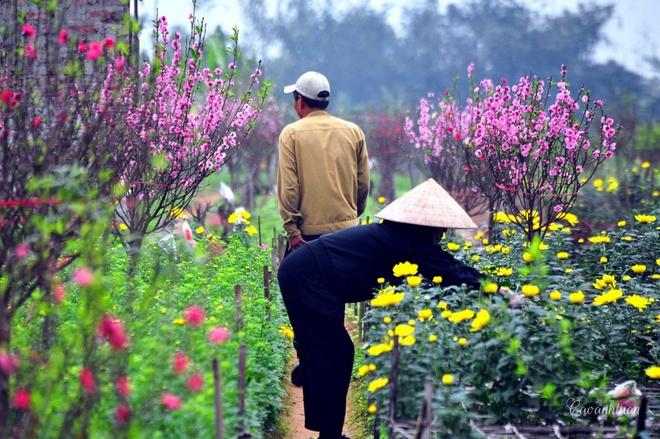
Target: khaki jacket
column 323, row 174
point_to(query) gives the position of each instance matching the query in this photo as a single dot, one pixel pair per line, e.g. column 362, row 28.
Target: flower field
column 581, row 313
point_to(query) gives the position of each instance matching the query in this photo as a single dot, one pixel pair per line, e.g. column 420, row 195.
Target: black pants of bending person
column 324, row 346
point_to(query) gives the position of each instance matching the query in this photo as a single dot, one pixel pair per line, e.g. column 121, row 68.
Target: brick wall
column 87, row 19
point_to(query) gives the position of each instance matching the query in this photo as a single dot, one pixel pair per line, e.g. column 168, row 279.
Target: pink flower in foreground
column 122, row 414
column 95, row 51
column 112, row 330
column 109, row 42
column 170, row 400
column 9, row 363
column 218, row 335
column 30, row 51
column 87, row 381
column 58, row 293
column 22, row 251
column 123, row 386
column 194, row 315
column 21, row 400
column 83, row 276
column 180, row 362
column 63, row 37
column 195, row 382
column 29, row 30
column 119, row 63
column 36, row 122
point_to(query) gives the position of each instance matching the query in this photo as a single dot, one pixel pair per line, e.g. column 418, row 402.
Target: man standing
column 323, row 170
column 317, row 280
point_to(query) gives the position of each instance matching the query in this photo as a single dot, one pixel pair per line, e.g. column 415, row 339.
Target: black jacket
column 353, row 259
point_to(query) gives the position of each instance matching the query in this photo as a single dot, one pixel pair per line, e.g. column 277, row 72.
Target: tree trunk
column 5, row 338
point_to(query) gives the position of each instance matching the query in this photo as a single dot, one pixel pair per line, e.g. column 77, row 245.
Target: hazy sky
column 633, row 31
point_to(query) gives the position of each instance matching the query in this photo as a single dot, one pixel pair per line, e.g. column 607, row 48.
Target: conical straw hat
column 427, row 204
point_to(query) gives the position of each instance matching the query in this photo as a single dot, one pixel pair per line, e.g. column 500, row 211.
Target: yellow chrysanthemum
column 490, row 287
column 504, row 271
column 239, row 217
column 414, row 281
column 627, row 238
column 555, row 295
column 479, row 235
column 475, row 258
column 505, row 250
column 638, row 268
column 655, row 276
column 363, row 370
column 646, row 165
column 405, row 269
column 639, row 302
column 570, row 218
column 442, row 305
column 603, row 260
column 437, row 279
column 608, row 297
column 600, row 239
column 528, row 257
column 199, row 230
column 380, row 280
column 452, row 246
column 425, row 315
column 251, row 230
column 608, row 279
column 179, row 321
column 287, row 332
column 433, row 338
column 576, row 297
column 626, row 278
column 467, row 245
column 379, row 349
column 562, row 255
column 462, row 341
column 621, row 223
column 387, row 320
column 481, row 320
column 407, row 341
column 461, row 316
column 568, row 270
column 653, row 372
column 644, row 219
column 176, row 212
column 378, row 384
column 381, row 200
column 372, row 409
column 448, row 379
column 387, row 297
column 530, row 290
column 403, row 330
column 122, row 227
column 446, row 314
column 612, row 184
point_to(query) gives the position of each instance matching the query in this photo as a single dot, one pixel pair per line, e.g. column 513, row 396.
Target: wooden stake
column 217, row 379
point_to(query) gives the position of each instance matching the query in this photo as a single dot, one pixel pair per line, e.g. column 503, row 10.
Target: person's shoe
column 297, row 375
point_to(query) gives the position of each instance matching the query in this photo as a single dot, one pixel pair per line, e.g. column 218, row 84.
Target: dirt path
column 294, row 414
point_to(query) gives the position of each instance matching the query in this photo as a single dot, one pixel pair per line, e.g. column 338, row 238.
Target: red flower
column 87, row 381
column 194, row 315
column 112, row 330
column 21, row 399
column 36, row 122
column 58, row 293
column 170, row 400
column 122, row 414
column 119, row 63
column 95, row 51
column 30, row 51
column 83, row 47
column 9, row 363
column 123, row 386
column 63, row 37
column 6, row 96
column 109, row 42
column 180, row 362
column 195, row 382
column 29, row 30
column 457, row 137
column 218, row 335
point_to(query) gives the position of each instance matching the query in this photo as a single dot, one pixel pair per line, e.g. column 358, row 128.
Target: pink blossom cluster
column 167, row 115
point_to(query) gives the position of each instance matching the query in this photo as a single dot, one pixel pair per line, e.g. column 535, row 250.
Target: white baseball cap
column 312, row 85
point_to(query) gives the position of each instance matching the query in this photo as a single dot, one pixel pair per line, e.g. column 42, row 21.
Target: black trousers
column 324, row 346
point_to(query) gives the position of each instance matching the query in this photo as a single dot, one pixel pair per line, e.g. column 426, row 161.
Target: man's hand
column 296, row 242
